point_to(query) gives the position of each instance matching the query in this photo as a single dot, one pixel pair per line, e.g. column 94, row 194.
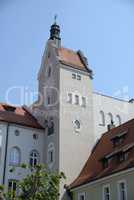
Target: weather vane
column 55, row 18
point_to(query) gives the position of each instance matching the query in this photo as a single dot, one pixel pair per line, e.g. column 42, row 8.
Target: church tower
column 65, row 107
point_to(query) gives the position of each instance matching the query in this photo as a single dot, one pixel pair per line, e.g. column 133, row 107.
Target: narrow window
column 110, row 118
column 69, row 98
column 49, row 72
column 81, row 196
column 78, row 77
column 73, row 76
column 51, row 155
column 14, row 156
column 12, row 187
column 48, row 100
column 76, row 99
column 34, row 158
column 118, row 120
column 51, row 127
column 102, row 118
column 122, row 190
column 106, row 193
column 83, row 102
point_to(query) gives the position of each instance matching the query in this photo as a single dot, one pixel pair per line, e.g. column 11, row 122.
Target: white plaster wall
column 75, row 147
column 110, row 105
column 3, row 133
column 52, row 110
column 26, row 144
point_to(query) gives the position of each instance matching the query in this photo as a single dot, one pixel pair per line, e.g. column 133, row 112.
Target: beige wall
column 94, row 191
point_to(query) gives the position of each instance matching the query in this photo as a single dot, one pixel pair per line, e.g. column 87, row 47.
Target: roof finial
column 55, row 18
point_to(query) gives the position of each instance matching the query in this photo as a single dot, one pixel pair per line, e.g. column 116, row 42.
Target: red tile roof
column 94, row 169
column 19, row 116
column 71, row 58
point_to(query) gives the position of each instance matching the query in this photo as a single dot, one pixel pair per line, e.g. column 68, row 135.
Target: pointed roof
column 18, row 115
column 73, row 59
column 105, row 149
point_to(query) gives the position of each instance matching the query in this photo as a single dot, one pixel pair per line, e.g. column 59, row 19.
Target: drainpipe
column 5, row 159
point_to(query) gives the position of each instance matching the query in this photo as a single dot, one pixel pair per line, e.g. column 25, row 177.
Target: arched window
column 118, row 119
column 49, row 71
column 51, row 126
column 51, row 155
column 15, row 156
column 34, row 158
column 110, row 118
column 102, row 118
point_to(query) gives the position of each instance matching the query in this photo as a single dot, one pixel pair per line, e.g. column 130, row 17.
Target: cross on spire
column 55, row 18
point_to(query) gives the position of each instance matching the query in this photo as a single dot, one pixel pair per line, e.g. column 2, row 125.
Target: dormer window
column 121, row 157
column 119, row 139
column 105, row 162
column 9, row 108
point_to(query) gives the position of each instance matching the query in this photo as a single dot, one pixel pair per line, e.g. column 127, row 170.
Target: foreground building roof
column 113, row 153
column 18, row 115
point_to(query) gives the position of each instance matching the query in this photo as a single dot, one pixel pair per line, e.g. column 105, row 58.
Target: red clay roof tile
column 18, row 116
column 71, row 58
column 93, row 168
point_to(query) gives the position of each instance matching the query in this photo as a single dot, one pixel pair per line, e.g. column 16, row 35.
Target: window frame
column 73, row 75
column 78, row 77
column 16, row 191
column 77, row 99
column 118, row 117
column 103, row 119
column 125, row 189
column 110, row 117
column 83, row 101
column 51, row 148
column 81, row 194
column 70, row 97
column 13, row 162
column 33, row 158
column 50, row 129
column 103, row 192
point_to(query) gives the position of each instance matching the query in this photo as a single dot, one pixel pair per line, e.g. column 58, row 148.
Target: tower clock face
column 77, row 125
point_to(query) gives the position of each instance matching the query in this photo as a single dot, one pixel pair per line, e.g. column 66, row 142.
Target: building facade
column 68, row 114
column 109, row 172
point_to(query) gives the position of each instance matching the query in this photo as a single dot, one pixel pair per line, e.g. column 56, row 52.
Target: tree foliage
column 39, row 184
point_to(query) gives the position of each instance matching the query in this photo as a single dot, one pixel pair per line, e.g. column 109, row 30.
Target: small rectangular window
column 69, row 100
column 51, row 156
column 76, row 99
column 48, row 100
column 122, row 190
column 78, row 77
column 81, row 196
column 73, row 76
column 12, row 187
column 106, row 192
column 83, row 102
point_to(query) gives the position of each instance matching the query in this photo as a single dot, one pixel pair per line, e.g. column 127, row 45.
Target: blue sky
column 103, row 29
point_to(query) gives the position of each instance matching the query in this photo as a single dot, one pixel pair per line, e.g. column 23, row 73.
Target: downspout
column 5, row 159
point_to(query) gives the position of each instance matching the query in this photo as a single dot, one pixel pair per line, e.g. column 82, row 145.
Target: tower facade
column 65, row 107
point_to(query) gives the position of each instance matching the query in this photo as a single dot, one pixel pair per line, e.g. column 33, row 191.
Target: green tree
column 39, row 184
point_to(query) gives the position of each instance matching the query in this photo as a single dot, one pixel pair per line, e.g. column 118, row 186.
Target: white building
column 72, row 114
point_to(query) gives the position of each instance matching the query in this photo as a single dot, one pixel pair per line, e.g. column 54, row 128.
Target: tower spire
column 55, row 32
